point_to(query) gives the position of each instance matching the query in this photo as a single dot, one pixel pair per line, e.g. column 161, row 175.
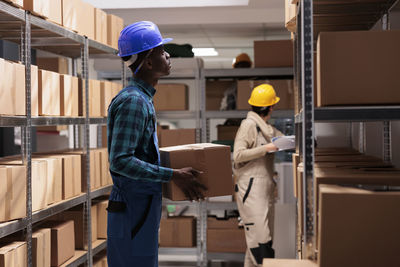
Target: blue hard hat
column 139, row 37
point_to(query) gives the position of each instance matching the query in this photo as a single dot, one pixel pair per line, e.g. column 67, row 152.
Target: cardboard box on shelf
column 18, row 90
column 226, row 240
column 6, row 83
column 69, row 96
column 215, row 92
column 49, row 93
column 12, row 89
column 290, row 16
column 54, row 64
column 18, row 3
column 172, row 96
column 54, row 178
column 102, row 219
column 106, row 95
column 213, row 160
column 342, row 231
column 13, row 254
column 94, row 163
column 295, row 161
column 283, row 89
column 101, row 26
column 97, row 168
column 62, row 241
column 273, row 54
column 51, row 10
column 105, row 178
column 71, row 175
column 41, row 248
column 226, row 132
column 115, row 25
column 346, row 55
column 116, row 87
column 214, row 223
column 177, row 137
column 39, row 184
column 86, row 25
column 76, row 214
column 288, row 263
column 104, row 136
column 71, row 11
column 94, row 98
column 12, row 192
column 178, row 232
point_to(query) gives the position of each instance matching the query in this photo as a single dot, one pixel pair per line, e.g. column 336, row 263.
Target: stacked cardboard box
column 100, row 261
column 178, row 232
column 69, row 96
column 171, row 97
column 343, row 167
column 215, row 92
column 62, row 241
column 55, row 64
column 347, row 55
column 225, row 236
column 106, row 95
column 213, row 160
column 362, row 232
column 13, row 254
column 105, row 175
column 102, row 219
column 49, row 93
column 176, row 137
column 100, row 18
column 95, row 179
column 76, row 215
column 288, row 263
column 51, row 10
column 39, row 180
column 12, row 192
column 41, row 248
column 290, row 15
column 226, row 132
column 273, row 54
column 114, row 27
column 12, row 89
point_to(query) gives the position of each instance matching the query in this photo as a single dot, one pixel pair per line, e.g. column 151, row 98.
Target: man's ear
column 148, row 63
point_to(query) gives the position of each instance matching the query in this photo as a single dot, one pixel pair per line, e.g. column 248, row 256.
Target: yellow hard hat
column 243, row 57
column 263, row 96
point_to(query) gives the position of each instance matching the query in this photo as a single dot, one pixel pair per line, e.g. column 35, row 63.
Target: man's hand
column 186, row 180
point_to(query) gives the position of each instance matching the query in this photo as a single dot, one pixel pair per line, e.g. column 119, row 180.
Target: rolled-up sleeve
column 128, row 126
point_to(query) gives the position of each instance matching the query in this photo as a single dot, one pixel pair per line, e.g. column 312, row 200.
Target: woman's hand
column 271, row 147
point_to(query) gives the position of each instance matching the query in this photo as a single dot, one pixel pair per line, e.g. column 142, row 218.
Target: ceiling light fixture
column 205, row 52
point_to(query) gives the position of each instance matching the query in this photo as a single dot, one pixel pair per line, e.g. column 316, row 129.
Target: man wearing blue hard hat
column 134, row 208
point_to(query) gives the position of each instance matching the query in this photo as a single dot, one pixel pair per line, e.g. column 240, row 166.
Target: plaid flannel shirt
column 131, row 128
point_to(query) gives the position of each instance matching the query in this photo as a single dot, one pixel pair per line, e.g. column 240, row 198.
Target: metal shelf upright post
column 304, row 45
column 26, row 138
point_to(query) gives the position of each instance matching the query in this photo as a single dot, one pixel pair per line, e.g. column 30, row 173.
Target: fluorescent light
column 205, row 52
column 120, row 4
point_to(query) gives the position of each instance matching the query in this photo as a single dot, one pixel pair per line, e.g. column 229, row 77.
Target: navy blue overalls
column 134, row 213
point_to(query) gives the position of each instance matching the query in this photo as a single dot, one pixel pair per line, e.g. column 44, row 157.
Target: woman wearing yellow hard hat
column 254, row 170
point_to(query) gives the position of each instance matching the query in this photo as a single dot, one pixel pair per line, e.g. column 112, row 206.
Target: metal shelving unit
column 314, row 16
column 250, row 73
column 19, row 26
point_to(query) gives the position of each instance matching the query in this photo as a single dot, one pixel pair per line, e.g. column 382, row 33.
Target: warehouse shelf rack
column 314, row 16
column 11, row 227
column 259, row 73
column 19, row 26
column 355, row 114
